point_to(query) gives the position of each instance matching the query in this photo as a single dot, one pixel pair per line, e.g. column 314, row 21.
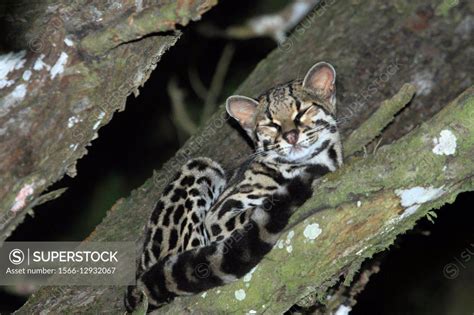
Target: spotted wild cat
column 206, row 232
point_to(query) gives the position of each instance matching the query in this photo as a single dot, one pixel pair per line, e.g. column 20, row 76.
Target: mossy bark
column 376, row 47
column 72, row 74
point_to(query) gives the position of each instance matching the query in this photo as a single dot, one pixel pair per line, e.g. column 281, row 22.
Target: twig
column 382, row 117
column 377, row 145
column 196, row 83
column 217, row 82
column 180, row 115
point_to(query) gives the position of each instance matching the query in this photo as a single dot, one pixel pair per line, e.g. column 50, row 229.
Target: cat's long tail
column 219, row 263
column 204, row 268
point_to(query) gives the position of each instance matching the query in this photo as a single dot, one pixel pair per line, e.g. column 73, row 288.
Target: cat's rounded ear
column 243, row 109
column 321, row 80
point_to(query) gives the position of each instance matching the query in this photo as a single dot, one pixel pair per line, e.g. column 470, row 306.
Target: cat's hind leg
column 174, row 225
column 177, row 222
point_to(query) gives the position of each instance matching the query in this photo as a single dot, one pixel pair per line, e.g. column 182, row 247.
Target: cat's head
column 292, row 121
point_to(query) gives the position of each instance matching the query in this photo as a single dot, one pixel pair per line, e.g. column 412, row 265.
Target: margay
column 205, row 232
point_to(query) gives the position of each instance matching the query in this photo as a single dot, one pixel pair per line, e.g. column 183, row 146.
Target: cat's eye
column 271, row 126
column 300, row 114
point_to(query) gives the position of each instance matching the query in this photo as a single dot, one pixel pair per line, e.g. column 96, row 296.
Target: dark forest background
column 413, row 278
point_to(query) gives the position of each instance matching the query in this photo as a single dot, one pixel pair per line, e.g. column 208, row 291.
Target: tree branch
column 54, row 96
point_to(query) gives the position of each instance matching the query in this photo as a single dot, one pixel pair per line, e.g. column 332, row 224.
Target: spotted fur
column 205, row 232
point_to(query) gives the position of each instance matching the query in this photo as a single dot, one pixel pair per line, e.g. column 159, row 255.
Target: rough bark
column 81, row 62
column 359, row 210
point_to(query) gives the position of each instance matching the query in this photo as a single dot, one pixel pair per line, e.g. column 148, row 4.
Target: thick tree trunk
column 81, row 62
column 359, row 210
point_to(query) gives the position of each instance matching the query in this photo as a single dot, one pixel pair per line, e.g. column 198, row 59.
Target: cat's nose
column 291, row 136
